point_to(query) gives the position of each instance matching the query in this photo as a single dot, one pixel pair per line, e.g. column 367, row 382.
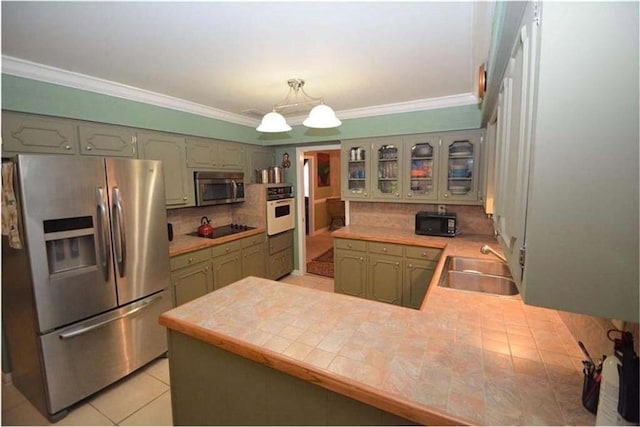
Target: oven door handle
column 279, row 202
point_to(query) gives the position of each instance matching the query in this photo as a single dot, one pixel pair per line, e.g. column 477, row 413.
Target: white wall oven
column 281, row 208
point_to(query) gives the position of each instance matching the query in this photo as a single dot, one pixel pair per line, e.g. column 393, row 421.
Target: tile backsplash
column 251, row 212
column 471, row 219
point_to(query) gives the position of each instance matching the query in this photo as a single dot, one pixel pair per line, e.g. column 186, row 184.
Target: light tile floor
column 142, row 398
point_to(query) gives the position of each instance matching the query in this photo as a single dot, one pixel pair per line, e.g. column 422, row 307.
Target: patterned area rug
column 322, row 265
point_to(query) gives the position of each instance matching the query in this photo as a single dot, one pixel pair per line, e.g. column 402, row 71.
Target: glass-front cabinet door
column 355, row 169
column 387, row 167
column 459, row 177
column 421, row 170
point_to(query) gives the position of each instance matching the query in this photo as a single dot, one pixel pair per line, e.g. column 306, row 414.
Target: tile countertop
column 463, row 358
column 183, row 243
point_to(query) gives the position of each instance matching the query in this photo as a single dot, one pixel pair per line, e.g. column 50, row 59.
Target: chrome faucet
column 485, row 249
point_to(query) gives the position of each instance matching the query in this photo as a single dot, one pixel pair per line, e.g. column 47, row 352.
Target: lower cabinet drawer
column 356, row 245
column 419, row 252
column 385, row 248
column 191, row 258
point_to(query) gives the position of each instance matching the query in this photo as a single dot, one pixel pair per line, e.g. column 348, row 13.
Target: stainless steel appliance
column 82, row 298
column 281, row 210
column 216, row 188
column 434, row 224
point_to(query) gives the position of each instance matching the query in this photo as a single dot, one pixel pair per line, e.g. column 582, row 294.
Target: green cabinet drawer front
column 190, row 283
column 280, row 242
column 253, row 240
column 190, row 258
column 418, row 275
column 226, row 248
column 418, row 252
column 356, row 245
column 385, row 248
column 385, row 279
column 351, row 272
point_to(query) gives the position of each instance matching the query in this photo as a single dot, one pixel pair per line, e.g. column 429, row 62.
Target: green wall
column 31, row 96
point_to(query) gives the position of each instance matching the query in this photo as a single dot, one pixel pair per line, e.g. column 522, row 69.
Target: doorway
column 316, row 239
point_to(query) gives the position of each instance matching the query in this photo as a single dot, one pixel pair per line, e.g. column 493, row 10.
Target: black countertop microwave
column 434, row 224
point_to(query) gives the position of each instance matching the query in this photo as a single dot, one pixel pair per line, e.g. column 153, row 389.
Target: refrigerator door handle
column 103, row 233
column 133, row 310
column 120, row 239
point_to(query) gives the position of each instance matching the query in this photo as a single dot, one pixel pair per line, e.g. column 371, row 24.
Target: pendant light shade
column 322, row 117
column 272, row 123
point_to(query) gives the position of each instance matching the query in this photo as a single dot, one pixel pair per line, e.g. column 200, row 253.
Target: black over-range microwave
column 434, row 224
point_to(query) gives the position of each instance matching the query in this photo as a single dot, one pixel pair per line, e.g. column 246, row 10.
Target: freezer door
column 139, row 227
column 86, row 357
column 65, row 220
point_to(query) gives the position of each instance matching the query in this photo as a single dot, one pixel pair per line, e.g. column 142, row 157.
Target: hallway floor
column 318, row 244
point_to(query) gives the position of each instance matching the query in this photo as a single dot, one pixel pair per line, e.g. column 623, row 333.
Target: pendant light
column 320, row 117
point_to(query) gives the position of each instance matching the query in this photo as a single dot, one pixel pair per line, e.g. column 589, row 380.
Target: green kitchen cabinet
column 30, row 133
column 419, row 266
column 280, row 255
column 459, row 166
column 231, row 156
column 350, row 261
column 107, row 140
column 191, row 276
column 426, row 168
column 171, row 151
column 202, row 153
column 384, row 270
column 566, row 168
column 227, row 263
column 421, row 154
column 356, row 159
column 254, row 256
column 387, row 166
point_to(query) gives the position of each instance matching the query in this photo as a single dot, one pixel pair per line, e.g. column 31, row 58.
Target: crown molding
column 44, row 73
column 401, row 107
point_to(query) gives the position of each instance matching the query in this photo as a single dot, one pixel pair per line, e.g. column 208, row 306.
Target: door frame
column 302, row 238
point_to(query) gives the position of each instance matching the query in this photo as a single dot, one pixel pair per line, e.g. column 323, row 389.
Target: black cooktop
column 225, row 230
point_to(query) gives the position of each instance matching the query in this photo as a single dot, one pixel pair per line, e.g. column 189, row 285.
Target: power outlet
column 442, row 209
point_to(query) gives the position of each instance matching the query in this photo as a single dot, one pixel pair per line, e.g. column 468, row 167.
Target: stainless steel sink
column 478, row 275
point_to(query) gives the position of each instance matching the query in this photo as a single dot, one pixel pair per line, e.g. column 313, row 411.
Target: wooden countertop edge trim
column 387, row 239
column 307, row 372
column 208, row 243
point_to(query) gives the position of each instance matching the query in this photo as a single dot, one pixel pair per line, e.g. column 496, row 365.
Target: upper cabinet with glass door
column 420, row 173
column 459, row 174
column 387, row 165
column 355, row 169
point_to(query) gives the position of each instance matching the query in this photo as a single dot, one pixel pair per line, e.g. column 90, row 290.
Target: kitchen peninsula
column 264, row 352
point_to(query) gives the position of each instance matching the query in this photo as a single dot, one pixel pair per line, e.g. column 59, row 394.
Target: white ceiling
column 237, row 56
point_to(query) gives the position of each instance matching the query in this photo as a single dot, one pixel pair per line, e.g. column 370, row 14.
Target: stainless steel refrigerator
column 81, row 300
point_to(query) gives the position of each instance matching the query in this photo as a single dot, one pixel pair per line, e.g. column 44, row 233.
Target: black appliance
column 225, row 230
column 434, row 224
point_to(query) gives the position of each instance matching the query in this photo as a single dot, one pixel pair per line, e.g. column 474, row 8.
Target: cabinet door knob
column 409, row 194
column 206, row 269
column 190, row 260
column 397, row 264
column 350, row 245
column 184, row 198
column 410, row 265
column 384, row 249
column 89, row 148
column 361, row 259
column 226, row 249
column 446, row 194
column 397, row 194
column 424, row 254
column 67, row 147
column 366, row 195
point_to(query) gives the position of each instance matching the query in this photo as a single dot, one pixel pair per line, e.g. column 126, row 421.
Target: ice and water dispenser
column 70, row 244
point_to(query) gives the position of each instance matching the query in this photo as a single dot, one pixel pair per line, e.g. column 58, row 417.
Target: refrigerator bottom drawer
column 88, row 356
